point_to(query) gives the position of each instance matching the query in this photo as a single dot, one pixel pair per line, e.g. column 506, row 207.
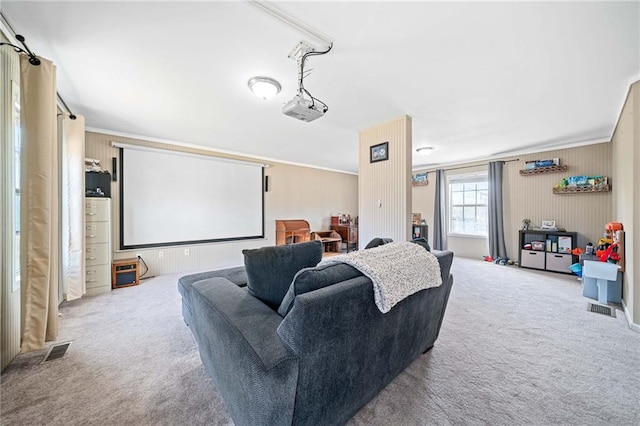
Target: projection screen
column 171, row 198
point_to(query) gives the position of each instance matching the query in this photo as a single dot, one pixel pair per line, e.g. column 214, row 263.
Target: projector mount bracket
column 303, row 98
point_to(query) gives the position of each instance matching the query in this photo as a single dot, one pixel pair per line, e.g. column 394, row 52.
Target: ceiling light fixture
column 425, row 150
column 264, row 87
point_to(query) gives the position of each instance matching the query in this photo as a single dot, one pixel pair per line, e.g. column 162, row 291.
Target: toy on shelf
column 581, row 184
column 610, row 248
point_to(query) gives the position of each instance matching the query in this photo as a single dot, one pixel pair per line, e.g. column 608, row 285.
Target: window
column 16, row 183
column 468, row 209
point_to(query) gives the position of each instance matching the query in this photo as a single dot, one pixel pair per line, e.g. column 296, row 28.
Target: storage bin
column 537, row 245
column 532, row 259
column 558, row 262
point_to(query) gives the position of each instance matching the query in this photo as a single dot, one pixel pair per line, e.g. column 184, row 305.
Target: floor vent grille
column 600, row 309
column 56, row 351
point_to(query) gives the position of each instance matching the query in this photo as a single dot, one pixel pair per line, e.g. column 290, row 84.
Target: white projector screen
column 171, row 198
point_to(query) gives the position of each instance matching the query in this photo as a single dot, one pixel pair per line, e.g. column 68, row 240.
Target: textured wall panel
column 626, row 195
column 423, row 202
column 385, row 186
column 532, row 197
column 295, row 193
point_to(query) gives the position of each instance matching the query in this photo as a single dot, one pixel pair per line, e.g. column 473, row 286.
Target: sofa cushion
column 378, row 242
column 270, row 270
column 310, row 279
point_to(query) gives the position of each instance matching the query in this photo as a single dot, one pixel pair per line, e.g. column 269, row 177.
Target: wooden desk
column 331, row 241
column 332, row 245
column 349, row 234
column 292, row 231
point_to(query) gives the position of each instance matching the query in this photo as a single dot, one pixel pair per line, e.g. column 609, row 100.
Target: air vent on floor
column 600, row 309
column 56, row 351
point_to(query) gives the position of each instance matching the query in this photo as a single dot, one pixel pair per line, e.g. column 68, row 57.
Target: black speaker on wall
column 114, row 169
column 266, row 184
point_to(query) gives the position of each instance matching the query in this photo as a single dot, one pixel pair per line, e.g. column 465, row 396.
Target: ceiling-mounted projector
column 303, row 109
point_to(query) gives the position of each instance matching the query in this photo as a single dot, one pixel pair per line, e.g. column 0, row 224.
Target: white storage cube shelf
column 545, row 258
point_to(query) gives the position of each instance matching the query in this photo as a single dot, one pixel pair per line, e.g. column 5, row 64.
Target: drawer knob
column 91, row 258
column 91, row 214
column 91, row 281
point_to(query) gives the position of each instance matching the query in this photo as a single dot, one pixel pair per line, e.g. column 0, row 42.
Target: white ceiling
column 479, row 79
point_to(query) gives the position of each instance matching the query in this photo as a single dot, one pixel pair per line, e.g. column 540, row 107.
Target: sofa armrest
column 238, row 343
column 224, row 307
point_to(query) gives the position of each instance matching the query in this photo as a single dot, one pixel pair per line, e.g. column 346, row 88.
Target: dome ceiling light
column 264, row 87
column 425, row 150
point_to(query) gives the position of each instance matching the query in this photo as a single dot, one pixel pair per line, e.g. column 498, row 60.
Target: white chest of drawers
column 97, row 245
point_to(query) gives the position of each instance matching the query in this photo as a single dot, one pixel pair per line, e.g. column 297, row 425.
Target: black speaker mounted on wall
column 114, row 169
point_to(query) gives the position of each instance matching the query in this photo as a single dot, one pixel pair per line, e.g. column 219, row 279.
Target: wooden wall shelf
column 581, row 189
column 541, row 170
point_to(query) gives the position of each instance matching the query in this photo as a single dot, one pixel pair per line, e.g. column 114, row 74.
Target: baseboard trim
column 633, row 326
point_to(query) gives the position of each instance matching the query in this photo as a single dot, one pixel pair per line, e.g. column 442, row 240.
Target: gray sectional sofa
column 323, row 353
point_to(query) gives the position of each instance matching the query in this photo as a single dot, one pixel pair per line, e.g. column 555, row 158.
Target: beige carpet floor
column 516, row 347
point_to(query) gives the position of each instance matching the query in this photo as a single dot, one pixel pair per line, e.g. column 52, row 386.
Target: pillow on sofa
column 422, row 241
column 378, row 242
column 270, row 270
column 310, row 279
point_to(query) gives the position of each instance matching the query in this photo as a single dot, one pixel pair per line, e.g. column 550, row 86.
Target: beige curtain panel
column 39, row 204
column 72, row 208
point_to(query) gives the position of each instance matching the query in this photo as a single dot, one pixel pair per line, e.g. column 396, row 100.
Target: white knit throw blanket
column 397, row 270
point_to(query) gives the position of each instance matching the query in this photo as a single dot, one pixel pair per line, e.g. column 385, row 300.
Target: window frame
column 475, row 177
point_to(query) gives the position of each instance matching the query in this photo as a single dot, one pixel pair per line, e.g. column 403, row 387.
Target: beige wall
column 626, row 197
column 384, row 189
column 531, row 197
column 295, row 192
column 422, row 201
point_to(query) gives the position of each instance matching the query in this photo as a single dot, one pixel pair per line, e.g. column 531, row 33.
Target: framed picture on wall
column 420, row 179
column 379, row 152
column 548, row 224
